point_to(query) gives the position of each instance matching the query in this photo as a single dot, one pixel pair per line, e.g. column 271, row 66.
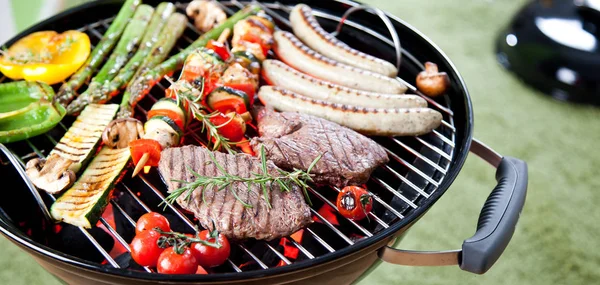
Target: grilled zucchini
column 83, row 204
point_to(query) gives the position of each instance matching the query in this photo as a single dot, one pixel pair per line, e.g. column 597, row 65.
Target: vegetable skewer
column 67, row 90
column 102, row 92
column 224, row 88
column 142, row 85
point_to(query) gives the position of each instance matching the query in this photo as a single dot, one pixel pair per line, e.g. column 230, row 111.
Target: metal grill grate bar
column 393, row 191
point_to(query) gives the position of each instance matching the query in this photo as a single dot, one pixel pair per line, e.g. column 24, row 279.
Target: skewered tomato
column 208, row 256
column 144, row 248
column 226, row 99
column 171, row 114
column 354, row 203
column 220, row 48
column 139, row 147
column 231, row 126
column 172, row 262
column 150, row 221
column 252, row 38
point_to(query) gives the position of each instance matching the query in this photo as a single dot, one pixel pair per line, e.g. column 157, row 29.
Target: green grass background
column 556, row 241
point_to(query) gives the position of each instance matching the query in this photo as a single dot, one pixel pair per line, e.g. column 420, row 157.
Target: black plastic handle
column 498, row 218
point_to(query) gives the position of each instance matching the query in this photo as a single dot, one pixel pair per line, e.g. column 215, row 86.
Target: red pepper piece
column 139, row 147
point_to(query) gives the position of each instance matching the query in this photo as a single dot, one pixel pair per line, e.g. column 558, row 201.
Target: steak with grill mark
column 288, row 213
column 294, row 140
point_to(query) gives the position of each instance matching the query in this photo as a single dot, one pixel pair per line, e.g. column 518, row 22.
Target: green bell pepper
column 27, row 109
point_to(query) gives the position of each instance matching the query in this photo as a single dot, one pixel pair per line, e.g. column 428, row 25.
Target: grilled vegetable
column 206, row 14
column 142, row 85
column 68, row 90
column 307, row 28
column 72, row 152
column 354, row 203
column 220, row 48
column 145, row 147
column 232, row 126
column 292, row 51
column 167, row 40
column 83, row 204
column 371, row 121
column 162, row 123
column 46, row 56
column 432, row 82
column 27, row 110
column 226, row 99
column 122, row 131
column 127, row 44
column 171, row 104
column 100, row 92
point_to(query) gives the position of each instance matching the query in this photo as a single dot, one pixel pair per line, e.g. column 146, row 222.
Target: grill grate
column 399, row 187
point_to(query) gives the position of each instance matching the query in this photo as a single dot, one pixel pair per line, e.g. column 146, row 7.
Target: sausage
column 293, row 52
column 307, row 28
column 278, row 73
column 369, row 121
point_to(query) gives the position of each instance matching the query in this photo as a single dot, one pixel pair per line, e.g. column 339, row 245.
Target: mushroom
column 52, row 175
column 432, row 82
column 120, row 132
column 206, row 14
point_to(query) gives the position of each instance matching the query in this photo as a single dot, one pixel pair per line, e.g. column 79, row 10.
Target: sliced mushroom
column 120, row 132
column 432, row 82
column 52, row 175
column 206, row 14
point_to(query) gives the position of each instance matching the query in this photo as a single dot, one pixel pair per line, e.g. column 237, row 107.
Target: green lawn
column 557, row 237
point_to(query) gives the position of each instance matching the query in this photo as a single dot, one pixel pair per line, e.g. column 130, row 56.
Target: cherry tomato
column 171, row 262
column 230, row 105
column 208, row 256
column 141, row 146
column 220, row 48
column 150, row 221
column 354, row 203
column 144, row 248
column 232, row 129
column 171, row 114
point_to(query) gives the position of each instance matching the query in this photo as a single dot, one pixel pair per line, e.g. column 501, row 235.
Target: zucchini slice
column 83, row 204
column 171, row 104
column 162, row 122
column 223, row 93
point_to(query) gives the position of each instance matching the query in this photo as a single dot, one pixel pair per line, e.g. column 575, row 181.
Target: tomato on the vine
column 150, row 221
column 354, row 203
column 144, row 248
column 172, row 262
column 208, row 256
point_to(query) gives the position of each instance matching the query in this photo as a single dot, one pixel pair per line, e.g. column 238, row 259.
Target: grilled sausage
column 310, row 32
column 293, row 52
column 280, row 74
column 370, row 121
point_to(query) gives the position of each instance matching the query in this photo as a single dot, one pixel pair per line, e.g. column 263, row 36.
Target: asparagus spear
column 108, row 41
column 168, row 39
column 142, row 84
column 101, row 91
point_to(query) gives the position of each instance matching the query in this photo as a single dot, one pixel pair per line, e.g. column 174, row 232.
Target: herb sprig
column 185, row 92
column 286, row 181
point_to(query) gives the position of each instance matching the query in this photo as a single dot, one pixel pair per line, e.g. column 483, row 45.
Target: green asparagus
column 168, row 39
column 98, row 91
column 142, row 84
column 68, row 90
column 128, row 43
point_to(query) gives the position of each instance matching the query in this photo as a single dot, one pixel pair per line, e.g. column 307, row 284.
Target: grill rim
column 461, row 151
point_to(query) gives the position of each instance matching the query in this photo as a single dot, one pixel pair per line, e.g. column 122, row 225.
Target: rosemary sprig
column 185, row 92
column 286, row 181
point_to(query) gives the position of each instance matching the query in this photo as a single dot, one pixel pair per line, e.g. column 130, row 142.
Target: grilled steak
column 294, row 140
column 287, row 214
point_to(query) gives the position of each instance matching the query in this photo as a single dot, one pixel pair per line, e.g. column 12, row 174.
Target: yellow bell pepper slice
column 46, row 56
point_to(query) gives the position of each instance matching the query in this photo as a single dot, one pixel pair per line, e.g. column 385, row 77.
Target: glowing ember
column 328, row 213
column 289, row 250
column 297, row 236
column 108, row 215
column 281, row 263
column 147, row 169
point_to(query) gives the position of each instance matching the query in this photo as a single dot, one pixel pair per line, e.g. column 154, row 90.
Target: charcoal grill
column 331, row 250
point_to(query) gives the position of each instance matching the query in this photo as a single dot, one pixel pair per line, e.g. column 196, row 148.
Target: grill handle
column 496, row 225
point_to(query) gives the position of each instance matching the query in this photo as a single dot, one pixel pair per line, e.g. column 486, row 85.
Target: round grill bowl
column 363, row 31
